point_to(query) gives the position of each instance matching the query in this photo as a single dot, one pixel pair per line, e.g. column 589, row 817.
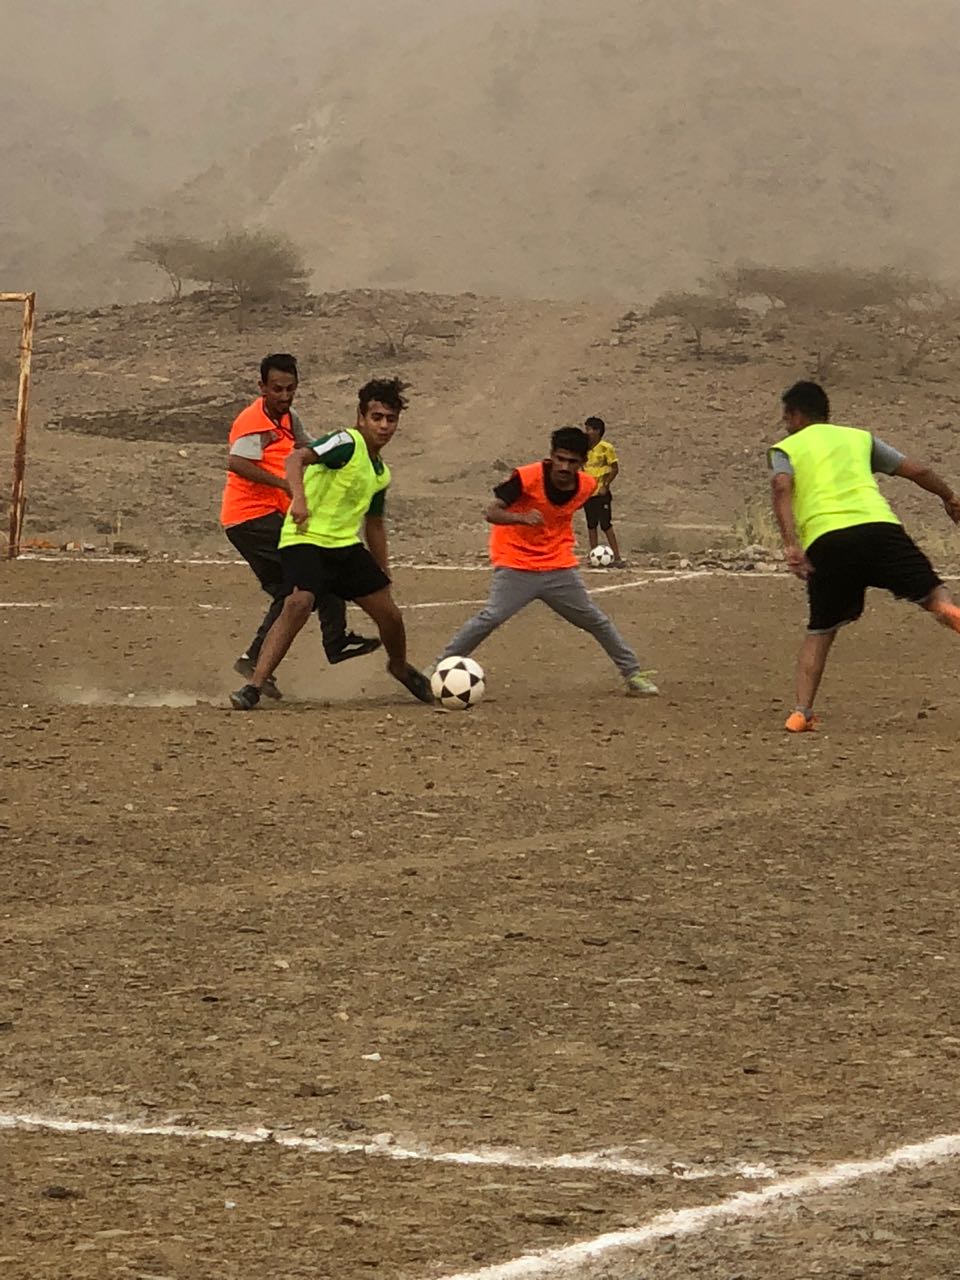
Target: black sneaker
column 245, row 666
column 354, row 646
column 245, row 699
column 417, row 683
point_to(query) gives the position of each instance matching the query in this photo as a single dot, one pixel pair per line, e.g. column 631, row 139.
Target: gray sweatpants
column 563, row 591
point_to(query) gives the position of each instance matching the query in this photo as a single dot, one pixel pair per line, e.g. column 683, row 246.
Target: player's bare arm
column 294, row 466
column 926, row 478
column 782, row 492
column 375, row 536
column 609, row 478
column 499, row 513
column 251, row 470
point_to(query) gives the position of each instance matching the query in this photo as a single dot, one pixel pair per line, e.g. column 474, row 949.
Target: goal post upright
column 29, row 301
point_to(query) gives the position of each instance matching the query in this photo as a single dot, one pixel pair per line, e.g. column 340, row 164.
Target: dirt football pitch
column 349, row 987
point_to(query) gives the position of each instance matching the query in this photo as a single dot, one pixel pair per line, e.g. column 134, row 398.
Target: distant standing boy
column 839, row 533
column 255, row 499
column 532, row 550
column 339, row 484
column 603, row 465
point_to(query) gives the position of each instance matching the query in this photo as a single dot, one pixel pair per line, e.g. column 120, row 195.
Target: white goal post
column 29, row 304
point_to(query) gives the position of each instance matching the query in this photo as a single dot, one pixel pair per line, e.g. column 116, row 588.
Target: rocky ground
column 131, row 407
column 566, row 921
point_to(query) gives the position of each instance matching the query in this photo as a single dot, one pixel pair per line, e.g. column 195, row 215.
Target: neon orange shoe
column 800, row 722
column 948, row 614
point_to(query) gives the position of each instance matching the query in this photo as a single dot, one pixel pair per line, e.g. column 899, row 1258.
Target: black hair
column 572, row 439
column 598, row 425
column 808, row 398
column 282, row 362
column 388, row 391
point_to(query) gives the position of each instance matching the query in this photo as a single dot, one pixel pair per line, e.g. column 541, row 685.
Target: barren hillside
column 132, row 407
column 543, row 149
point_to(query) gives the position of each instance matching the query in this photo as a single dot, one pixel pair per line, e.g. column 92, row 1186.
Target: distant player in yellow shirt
column 602, row 464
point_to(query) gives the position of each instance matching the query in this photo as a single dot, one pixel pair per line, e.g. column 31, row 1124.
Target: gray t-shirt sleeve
column 884, row 458
column 251, row 446
column 780, row 464
column 300, row 437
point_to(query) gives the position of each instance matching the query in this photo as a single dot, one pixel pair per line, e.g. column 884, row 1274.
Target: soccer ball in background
column 601, row 557
column 458, row 683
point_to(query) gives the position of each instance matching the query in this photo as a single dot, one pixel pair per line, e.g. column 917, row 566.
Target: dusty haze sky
column 538, row 147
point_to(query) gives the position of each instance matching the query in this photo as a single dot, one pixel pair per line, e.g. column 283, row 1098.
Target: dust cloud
column 517, row 147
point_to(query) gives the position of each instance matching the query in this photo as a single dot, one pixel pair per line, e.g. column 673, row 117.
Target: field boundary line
column 687, row 575
column 485, row 567
column 210, row 562
column 384, row 1146
column 739, row 1207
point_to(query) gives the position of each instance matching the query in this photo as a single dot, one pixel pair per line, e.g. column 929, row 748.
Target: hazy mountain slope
column 108, row 106
column 555, row 148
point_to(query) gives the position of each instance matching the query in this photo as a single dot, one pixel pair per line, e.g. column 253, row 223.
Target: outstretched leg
column 943, row 609
column 297, row 608
column 811, row 661
column 614, row 545
column 381, row 607
column 510, row 591
column 256, row 540
column 564, row 592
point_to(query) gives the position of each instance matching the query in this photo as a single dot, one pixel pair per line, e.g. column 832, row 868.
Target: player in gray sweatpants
column 563, row 591
column 532, row 515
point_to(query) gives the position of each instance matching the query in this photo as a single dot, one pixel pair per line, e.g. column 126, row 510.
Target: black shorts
column 848, row 561
column 347, row 572
column 598, row 511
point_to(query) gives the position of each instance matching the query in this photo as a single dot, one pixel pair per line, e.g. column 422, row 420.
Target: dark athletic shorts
column 598, row 511
column 848, row 561
column 347, row 572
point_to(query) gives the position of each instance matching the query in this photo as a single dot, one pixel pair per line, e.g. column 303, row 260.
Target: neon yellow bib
column 337, row 500
column 833, row 482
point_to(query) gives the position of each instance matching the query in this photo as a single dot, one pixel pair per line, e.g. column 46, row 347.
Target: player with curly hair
column 339, row 484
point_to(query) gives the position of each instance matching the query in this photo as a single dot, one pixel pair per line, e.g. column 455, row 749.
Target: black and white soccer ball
column 458, row 683
column 601, row 557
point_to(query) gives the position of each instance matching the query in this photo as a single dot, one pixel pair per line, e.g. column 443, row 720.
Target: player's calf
column 381, row 607
column 296, row 610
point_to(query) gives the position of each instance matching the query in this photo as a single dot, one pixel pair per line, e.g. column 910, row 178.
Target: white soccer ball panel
column 458, row 683
column 601, row 556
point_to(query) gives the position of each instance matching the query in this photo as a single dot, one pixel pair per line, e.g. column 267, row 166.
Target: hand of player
column 797, row 562
column 532, row 518
column 298, row 511
column 951, row 506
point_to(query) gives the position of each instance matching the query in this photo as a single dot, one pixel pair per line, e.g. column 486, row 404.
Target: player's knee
column 594, row 619
column 298, row 606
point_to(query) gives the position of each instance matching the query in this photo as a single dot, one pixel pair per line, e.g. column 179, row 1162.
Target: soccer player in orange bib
column 533, row 555
column 255, row 500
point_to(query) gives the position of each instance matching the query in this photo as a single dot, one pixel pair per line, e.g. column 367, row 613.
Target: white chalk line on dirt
column 739, row 1207
column 384, row 1146
column 213, row 562
column 685, row 576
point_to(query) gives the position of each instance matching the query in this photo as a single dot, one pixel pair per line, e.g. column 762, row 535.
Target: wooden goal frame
column 29, row 304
